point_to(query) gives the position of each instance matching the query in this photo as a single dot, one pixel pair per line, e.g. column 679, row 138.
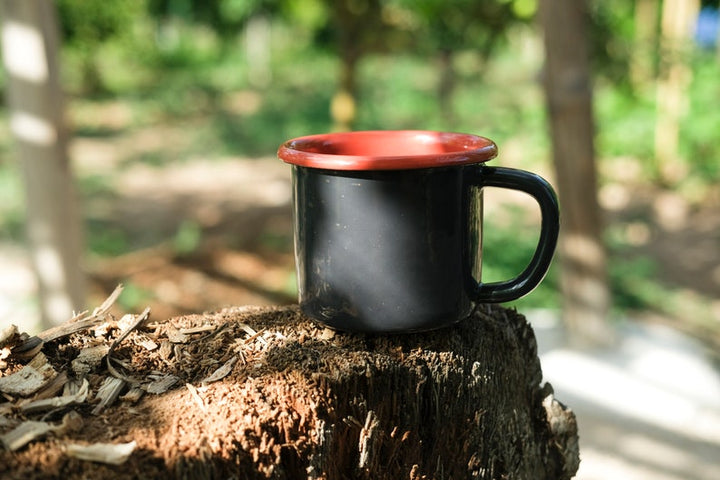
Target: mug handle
column 538, row 188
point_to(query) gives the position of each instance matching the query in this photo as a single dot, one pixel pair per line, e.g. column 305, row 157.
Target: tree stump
column 261, row 393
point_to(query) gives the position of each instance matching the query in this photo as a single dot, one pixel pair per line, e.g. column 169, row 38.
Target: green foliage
column 105, row 239
column 508, row 245
column 226, row 17
column 627, row 124
column 187, row 238
column 310, row 15
column 699, row 133
column 88, row 24
column 134, row 297
column 611, row 39
column 438, row 25
column 11, row 204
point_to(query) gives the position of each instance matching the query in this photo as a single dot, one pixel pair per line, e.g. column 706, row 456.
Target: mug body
column 388, row 227
column 386, row 250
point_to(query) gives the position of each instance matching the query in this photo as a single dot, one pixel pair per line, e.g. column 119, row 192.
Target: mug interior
column 387, row 150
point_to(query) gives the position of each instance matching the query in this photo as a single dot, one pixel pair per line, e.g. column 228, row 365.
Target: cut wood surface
column 251, row 392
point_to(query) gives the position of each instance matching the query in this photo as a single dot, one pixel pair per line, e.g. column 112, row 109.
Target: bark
column 358, row 31
column 343, row 106
column 446, row 86
column 584, row 286
column 267, row 393
column 644, row 55
column 258, row 50
column 30, row 56
column 677, row 22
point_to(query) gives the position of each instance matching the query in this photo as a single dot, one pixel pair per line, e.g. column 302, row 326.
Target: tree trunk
column 343, row 106
column 678, row 18
column 446, row 87
column 294, row 400
column 258, row 50
column 644, row 55
column 358, row 28
column 586, row 297
column 30, row 56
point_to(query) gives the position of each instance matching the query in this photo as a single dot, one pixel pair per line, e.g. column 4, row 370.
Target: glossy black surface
column 394, row 251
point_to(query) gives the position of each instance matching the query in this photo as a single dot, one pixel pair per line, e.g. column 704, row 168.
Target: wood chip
column 4, row 354
column 221, row 372
column 175, row 335
column 8, row 334
column 31, row 378
column 73, row 386
column 80, row 322
column 109, row 453
column 27, row 348
column 89, row 359
column 161, row 385
column 25, row 433
column 147, row 343
column 51, row 389
column 136, row 322
column 133, row 395
column 31, row 430
column 57, row 402
column 126, row 322
column 6, row 422
column 166, row 350
column 200, row 329
column 327, row 334
column 253, row 334
column 196, row 396
column 108, row 393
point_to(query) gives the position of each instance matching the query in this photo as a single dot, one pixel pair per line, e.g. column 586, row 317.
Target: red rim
column 387, row 150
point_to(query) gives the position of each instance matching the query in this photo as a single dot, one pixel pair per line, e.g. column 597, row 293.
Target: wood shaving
column 31, row 378
column 72, row 386
column 108, row 393
column 89, row 359
column 147, row 343
column 8, row 334
column 27, row 348
column 109, row 453
column 166, row 350
column 175, row 335
column 133, row 395
column 50, row 389
column 57, row 402
column 31, row 430
column 221, row 372
column 253, row 334
column 196, row 396
column 162, row 384
column 200, row 329
column 136, row 322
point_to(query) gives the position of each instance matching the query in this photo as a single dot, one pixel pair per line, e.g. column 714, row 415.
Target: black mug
column 388, row 228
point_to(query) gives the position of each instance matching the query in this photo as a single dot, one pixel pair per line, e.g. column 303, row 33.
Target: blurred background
column 138, row 139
